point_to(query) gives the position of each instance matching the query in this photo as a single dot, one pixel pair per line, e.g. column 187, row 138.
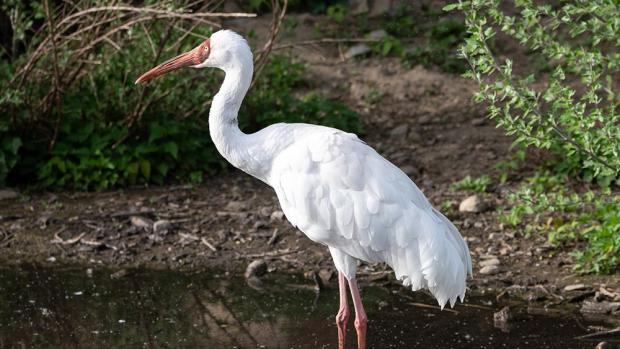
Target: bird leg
column 343, row 312
column 361, row 319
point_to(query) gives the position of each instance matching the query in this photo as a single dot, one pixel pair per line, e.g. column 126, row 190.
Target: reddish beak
column 196, row 56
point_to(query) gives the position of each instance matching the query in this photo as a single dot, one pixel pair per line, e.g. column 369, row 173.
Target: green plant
column 573, row 110
column 97, row 130
column 476, row 185
column 544, row 203
column 337, row 12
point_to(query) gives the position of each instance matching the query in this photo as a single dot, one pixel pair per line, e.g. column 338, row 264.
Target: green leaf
column 145, row 168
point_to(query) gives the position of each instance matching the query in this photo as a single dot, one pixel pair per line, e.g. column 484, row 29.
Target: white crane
column 336, row 189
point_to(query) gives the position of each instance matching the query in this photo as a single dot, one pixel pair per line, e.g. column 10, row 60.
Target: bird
column 334, row 188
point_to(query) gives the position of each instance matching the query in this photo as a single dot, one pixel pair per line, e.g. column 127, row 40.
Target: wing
column 341, row 192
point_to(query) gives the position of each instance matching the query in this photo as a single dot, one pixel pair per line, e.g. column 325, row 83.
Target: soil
column 424, row 122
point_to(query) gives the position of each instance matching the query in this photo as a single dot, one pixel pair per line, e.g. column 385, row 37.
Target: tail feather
column 436, row 258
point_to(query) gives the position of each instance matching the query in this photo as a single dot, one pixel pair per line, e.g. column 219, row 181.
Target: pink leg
column 343, row 312
column 361, row 319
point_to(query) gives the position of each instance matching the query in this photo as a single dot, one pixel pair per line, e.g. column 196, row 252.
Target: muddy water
column 68, row 307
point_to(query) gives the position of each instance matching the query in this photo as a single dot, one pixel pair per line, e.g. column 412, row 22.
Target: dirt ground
column 425, row 122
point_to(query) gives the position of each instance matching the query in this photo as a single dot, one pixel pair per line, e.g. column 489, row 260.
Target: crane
column 334, row 188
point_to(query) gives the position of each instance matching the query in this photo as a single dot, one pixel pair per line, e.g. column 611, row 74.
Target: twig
column 434, row 307
column 206, row 243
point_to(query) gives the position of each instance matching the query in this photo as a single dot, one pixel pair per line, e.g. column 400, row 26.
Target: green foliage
column 438, row 46
column 337, row 12
column 572, row 110
column 440, row 50
column 103, row 131
column 544, row 204
column 476, row 185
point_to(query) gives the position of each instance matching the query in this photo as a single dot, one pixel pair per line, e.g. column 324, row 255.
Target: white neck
column 234, row 145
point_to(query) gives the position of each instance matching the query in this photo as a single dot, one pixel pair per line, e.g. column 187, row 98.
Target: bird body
column 335, row 188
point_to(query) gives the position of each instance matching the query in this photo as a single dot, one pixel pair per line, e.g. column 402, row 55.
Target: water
column 69, row 307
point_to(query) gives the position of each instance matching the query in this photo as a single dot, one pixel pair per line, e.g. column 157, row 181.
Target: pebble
column 472, row 204
column 489, row 270
column 256, row 268
column 378, row 34
column 575, row 287
column 141, row 222
column 604, row 345
column 277, row 215
column 8, row 194
column 488, row 262
column 357, row 50
column 162, row 226
column 501, row 319
column 400, row 131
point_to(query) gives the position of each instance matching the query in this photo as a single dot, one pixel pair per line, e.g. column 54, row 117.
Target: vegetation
column 476, row 185
column 569, row 108
column 74, row 119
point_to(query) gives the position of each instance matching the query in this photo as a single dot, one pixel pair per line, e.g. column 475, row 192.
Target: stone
column 378, row 34
column 162, row 226
column 358, row 6
column 326, row 275
column 380, row 7
column 141, row 222
column 489, row 270
column 575, row 287
column 604, row 345
column 277, row 215
column 8, row 194
column 256, row 269
column 488, row 262
column 502, row 318
column 400, row 131
column 472, row 204
column 606, row 308
column 357, row 50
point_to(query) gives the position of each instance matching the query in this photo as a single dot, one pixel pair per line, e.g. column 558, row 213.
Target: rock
column 141, row 222
column 326, row 275
column 235, row 206
column 378, row 34
column 119, row 274
column 400, row 131
column 575, row 287
column 277, row 215
column 358, row 6
column 502, row 318
column 489, row 270
column 472, row 204
column 357, row 50
column 602, row 308
column 380, row 7
column 8, row 194
column 604, row 345
column 256, row 269
column 162, row 226
column 489, row 262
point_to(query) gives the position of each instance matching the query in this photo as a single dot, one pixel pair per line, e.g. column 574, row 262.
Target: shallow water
column 69, row 307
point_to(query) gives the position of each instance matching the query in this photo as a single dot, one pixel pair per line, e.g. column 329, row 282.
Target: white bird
column 335, row 188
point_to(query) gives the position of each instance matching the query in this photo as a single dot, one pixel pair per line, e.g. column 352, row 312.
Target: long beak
column 186, row 59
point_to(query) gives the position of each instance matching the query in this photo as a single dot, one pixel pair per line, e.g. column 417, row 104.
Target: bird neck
column 234, row 145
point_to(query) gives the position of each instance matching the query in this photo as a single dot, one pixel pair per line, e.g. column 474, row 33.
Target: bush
column 573, row 110
column 89, row 127
column 568, row 106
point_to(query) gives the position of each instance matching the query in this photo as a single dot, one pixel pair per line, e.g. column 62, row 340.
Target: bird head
column 225, row 49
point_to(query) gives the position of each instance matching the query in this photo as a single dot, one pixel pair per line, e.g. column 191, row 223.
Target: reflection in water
column 75, row 308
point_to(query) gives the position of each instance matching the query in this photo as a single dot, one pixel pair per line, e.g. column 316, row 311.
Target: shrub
column 568, row 105
column 89, row 127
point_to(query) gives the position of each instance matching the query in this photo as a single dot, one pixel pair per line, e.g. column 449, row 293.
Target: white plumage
column 342, row 193
column 334, row 188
